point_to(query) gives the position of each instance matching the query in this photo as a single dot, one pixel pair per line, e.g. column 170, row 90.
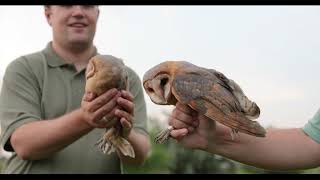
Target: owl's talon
column 234, row 132
column 163, row 135
column 101, row 143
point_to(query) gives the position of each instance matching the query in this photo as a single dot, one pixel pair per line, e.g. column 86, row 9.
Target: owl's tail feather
column 111, row 141
column 234, row 120
column 124, row 146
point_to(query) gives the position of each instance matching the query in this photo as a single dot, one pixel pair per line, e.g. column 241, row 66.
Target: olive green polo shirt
column 312, row 127
column 42, row 86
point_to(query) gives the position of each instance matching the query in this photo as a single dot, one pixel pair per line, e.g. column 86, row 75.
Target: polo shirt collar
column 54, row 60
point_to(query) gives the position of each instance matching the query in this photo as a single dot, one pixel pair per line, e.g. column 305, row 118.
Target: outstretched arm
column 281, row 149
column 40, row 139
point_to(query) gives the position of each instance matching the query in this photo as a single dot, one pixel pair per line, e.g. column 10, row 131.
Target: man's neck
column 79, row 56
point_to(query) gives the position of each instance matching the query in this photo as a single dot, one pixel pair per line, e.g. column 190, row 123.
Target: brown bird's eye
column 150, row 90
column 163, row 81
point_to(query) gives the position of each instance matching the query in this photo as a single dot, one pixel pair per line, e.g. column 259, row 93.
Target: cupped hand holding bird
column 111, row 104
column 108, row 104
column 194, row 130
column 190, row 128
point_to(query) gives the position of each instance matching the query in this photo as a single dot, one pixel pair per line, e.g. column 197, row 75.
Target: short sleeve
column 312, row 127
column 140, row 112
column 19, row 99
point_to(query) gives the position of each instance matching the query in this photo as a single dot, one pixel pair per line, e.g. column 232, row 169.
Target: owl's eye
column 163, row 82
column 150, row 90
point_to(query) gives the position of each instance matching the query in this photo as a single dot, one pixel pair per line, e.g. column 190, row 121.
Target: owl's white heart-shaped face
column 158, row 88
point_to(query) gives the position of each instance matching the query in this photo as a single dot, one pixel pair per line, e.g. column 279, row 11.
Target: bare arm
column 282, row 149
column 40, row 139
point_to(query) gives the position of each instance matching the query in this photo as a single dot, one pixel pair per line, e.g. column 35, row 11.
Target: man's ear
column 47, row 13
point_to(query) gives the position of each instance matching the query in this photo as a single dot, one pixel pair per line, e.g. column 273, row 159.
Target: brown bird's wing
column 213, row 99
column 249, row 108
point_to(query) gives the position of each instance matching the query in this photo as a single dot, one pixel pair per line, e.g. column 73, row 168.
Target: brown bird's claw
column 101, row 143
column 163, row 135
column 104, row 142
column 234, row 132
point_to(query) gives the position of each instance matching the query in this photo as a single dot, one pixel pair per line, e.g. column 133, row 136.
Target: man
column 282, row 149
column 48, row 121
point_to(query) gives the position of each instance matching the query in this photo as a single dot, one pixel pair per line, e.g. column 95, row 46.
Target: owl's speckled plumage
column 103, row 73
column 207, row 91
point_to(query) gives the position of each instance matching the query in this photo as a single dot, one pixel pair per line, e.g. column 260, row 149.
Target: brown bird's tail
column 239, row 122
column 234, row 120
column 112, row 141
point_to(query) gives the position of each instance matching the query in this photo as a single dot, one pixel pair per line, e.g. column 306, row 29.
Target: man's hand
column 94, row 108
column 191, row 129
column 125, row 112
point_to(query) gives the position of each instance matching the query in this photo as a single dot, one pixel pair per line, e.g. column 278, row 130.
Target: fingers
column 125, row 124
column 184, row 108
column 178, row 124
column 127, row 105
column 109, row 119
column 126, row 95
column 179, row 133
column 185, row 118
column 115, row 115
column 126, row 127
column 108, row 110
column 89, row 96
column 113, row 105
column 109, row 123
column 126, row 101
column 103, row 99
column 123, row 114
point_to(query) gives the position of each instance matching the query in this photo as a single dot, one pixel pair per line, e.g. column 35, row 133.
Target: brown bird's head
column 157, row 82
column 105, row 72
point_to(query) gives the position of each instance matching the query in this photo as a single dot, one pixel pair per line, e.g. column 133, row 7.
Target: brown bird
column 103, row 73
column 207, row 91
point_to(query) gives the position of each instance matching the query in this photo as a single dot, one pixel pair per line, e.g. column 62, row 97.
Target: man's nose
column 78, row 11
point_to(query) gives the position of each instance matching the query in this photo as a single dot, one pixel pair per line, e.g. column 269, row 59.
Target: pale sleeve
column 312, row 127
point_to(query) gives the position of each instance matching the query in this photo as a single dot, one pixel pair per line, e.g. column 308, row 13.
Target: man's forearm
column 141, row 146
column 40, row 139
column 286, row 149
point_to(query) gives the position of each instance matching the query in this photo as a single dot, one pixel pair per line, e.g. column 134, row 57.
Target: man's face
column 72, row 24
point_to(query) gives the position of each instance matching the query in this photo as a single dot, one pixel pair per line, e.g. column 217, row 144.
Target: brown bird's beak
column 90, row 69
column 158, row 89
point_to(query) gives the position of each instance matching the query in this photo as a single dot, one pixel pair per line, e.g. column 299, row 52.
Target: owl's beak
column 158, row 89
column 167, row 92
column 90, row 71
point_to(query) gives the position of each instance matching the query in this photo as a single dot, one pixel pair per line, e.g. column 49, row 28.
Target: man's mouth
column 78, row 25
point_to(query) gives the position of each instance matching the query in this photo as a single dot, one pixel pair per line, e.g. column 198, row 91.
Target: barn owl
column 103, row 73
column 206, row 91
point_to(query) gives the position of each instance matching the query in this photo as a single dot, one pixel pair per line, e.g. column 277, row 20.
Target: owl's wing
column 249, row 108
column 214, row 100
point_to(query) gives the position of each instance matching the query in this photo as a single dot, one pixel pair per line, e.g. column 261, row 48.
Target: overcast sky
column 271, row 51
